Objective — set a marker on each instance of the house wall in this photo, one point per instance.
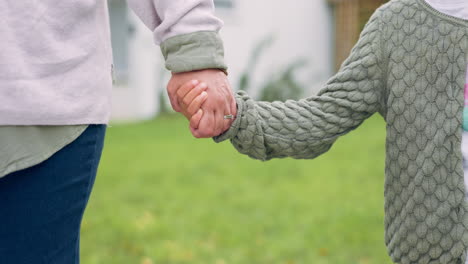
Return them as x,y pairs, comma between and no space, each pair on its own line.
138,67
301,30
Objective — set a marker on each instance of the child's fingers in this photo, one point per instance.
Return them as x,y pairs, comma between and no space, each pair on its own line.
196,104
192,94
186,87
195,120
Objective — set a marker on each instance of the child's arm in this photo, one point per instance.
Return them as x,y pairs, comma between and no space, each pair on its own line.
308,127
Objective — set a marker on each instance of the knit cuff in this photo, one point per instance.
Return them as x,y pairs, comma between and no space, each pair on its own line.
235,126
194,51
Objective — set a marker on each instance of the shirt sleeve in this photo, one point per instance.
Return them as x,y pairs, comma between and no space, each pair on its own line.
306,128
186,30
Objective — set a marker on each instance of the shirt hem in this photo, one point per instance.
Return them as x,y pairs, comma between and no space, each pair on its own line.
37,159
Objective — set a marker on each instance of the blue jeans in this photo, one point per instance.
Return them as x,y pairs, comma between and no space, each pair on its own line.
41,207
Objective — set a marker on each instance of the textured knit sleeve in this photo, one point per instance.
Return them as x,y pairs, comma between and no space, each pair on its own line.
187,31
307,128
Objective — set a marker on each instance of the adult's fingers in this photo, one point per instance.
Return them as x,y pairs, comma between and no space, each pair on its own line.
232,107
219,122
227,124
195,132
206,125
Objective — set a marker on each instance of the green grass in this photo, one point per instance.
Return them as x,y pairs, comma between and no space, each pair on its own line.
163,197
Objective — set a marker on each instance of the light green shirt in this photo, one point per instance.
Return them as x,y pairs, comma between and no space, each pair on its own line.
26,146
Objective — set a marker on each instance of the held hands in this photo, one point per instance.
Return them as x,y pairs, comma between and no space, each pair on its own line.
205,98
193,95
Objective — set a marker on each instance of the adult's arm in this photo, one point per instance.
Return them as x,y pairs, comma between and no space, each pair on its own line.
187,31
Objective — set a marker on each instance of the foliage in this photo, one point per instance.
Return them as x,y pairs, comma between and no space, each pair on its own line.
164,105
280,88
162,197
246,76
283,87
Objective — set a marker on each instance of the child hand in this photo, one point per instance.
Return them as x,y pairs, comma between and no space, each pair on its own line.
194,95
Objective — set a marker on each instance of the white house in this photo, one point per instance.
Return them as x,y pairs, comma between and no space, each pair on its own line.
298,30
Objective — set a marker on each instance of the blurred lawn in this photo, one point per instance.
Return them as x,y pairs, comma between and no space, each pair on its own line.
163,197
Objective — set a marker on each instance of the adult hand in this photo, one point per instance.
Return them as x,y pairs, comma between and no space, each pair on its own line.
219,102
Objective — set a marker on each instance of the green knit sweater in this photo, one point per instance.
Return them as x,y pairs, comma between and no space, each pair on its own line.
409,65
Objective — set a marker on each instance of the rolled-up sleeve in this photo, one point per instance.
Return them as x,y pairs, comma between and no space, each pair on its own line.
186,30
